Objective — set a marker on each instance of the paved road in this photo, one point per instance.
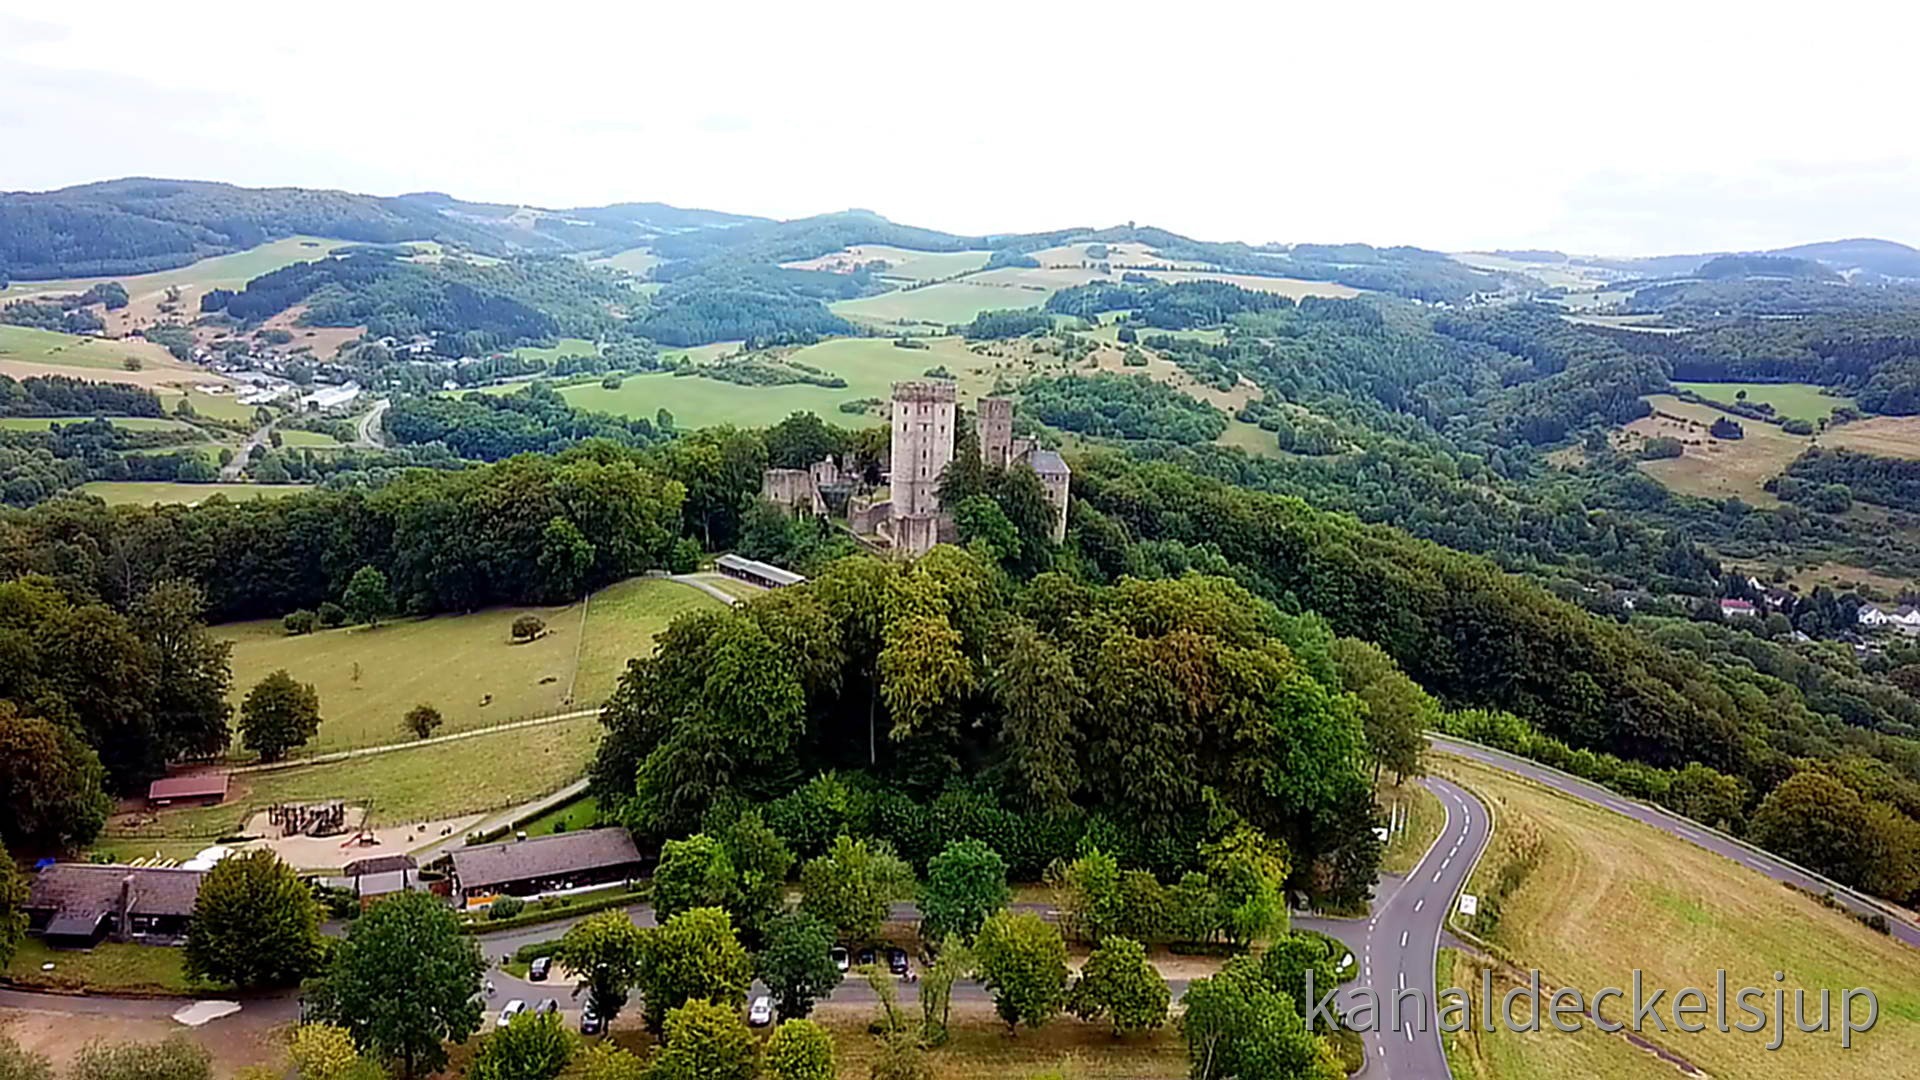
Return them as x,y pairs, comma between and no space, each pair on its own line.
1396,945
1902,928
243,457
370,434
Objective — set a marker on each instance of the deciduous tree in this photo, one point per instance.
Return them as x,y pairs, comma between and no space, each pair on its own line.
799,1050
604,951
1023,962
278,715
850,887
367,599
254,924
50,785
405,982
693,955
533,1046
797,963
1119,984
706,1040
965,883
423,720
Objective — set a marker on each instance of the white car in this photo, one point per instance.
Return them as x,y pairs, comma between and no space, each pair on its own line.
760,1013
840,959
514,1008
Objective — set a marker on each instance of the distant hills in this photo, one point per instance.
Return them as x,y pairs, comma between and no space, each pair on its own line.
138,225
1861,260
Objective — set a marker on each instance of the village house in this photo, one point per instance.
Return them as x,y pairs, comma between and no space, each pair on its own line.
75,905
563,862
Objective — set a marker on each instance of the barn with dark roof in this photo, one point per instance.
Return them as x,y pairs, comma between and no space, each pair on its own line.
77,904
546,864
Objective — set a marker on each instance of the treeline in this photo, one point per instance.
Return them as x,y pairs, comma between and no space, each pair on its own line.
1006,323
1883,481
1112,406
530,530
58,395
488,427
1038,717
1167,307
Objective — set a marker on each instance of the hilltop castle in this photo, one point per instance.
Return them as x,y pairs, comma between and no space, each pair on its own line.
908,518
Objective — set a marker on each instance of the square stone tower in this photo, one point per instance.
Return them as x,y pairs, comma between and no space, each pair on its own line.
922,448
995,428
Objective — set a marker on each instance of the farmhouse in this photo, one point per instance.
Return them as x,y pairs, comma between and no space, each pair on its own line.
198,789
1905,618
548,864
765,575
75,904
1742,609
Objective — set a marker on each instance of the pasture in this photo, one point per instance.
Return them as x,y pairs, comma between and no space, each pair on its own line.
903,264
425,783
467,666
295,439
149,492
1884,436
1609,895
1713,468
1292,288
946,304
636,261
1795,401
214,406
25,351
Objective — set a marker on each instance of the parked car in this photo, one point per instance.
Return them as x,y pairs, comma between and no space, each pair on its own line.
840,959
760,1013
540,969
865,957
897,961
547,1006
589,1020
514,1008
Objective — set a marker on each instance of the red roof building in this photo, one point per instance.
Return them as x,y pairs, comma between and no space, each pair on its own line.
203,789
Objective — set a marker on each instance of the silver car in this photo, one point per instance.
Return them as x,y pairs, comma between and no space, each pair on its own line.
760,1013
514,1008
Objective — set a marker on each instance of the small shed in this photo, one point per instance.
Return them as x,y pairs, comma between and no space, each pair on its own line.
194,789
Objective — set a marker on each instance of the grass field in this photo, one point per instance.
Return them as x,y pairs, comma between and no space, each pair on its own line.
946,304
368,679
979,1048
131,423
147,492
581,813
221,271
427,783
294,438
213,406
107,967
1294,288
1609,895
734,587
635,261
1550,1055
25,346
903,263
1712,468
1885,436
1803,401
564,347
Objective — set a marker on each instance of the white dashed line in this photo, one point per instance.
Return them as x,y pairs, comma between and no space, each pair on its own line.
1420,903
1446,862
1436,875
1403,980
1403,939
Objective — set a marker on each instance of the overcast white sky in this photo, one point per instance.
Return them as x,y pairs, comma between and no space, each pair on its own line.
1609,127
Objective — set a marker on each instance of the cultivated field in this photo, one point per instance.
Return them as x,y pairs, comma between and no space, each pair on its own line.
902,263
1609,895
467,666
147,492
1886,436
1293,288
1714,468
1801,401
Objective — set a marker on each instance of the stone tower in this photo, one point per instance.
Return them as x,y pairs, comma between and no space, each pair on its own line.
994,425
922,448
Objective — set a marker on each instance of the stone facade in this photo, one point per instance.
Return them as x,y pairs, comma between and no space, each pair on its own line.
923,414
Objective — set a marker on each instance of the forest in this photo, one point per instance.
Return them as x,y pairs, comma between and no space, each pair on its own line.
1106,405
488,427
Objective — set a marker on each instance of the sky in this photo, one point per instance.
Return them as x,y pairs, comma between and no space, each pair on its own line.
1599,128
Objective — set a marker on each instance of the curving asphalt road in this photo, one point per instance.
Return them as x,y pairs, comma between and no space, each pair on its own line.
1396,945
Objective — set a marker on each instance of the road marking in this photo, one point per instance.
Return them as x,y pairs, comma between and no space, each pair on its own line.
1403,980
1403,939
1436,875
1446,862
1369,971
1420,903
1452,851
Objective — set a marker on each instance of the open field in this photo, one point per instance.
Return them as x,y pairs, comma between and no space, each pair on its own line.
1608,895
294,438
1803,401
1885,436
947,304
215,406
427,783
903,263
563,347
467,666
1842,577
581,813
131,423
146,292
1551,1055
979,1048
108,966
25,351
147,492
324,342
635,261
1712,468
1294,288
1561,274
732,586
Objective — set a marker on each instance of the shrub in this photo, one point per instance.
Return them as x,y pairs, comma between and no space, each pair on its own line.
300,622
332,615
528,627
505,908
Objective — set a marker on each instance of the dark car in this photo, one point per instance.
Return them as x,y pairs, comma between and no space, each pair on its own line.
547,1006
589,1020
538,970
897,961
864,957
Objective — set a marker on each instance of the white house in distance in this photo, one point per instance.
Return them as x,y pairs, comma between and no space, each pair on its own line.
1740,609
1905,618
